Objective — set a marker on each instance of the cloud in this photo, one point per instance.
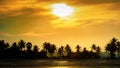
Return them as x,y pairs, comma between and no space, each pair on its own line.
22,14
64,23
30,34
27,15
90,2
6,34
81,2
114,6
27,34
20,7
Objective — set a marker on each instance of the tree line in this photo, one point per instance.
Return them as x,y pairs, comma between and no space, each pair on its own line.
26,50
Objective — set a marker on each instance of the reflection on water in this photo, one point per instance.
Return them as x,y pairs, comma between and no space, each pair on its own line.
63,62
60,67
60,63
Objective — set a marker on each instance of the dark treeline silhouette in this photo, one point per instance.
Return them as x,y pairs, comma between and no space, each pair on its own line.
26,50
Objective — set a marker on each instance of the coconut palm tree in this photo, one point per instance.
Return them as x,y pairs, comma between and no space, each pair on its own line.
46,46
118,48
78,48
98,50
3,45
35,49
49,48
61,51
14,46
68,51
52,49
29,46
93,48
21,44
112,47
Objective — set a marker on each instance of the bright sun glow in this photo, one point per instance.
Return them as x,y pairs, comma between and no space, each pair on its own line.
62,10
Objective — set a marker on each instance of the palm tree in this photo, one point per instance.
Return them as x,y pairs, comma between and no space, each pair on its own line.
98,50
78,48
7,45
60,51
14,46
35,49
49,48
21,44
108,47
93,48
68,50
84,49
112,47
118,48
52,49
46,46
29,46
62,48
3,45
85,53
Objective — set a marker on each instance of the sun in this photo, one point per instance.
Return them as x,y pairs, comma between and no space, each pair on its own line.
61,10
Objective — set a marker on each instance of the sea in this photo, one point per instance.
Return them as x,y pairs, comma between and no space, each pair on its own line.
54,63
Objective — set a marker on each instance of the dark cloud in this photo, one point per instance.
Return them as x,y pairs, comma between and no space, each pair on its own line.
86,2
115,6
26,11
2,1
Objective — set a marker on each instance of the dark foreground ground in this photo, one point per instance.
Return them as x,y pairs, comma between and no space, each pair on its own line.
90,63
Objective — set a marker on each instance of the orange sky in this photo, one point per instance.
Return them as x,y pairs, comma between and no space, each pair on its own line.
93,21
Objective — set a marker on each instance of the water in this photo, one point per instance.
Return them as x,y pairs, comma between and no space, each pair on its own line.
91,63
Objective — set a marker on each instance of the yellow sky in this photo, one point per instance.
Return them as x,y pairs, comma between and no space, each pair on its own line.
93,21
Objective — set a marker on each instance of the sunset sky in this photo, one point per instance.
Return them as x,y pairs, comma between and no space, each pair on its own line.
92,21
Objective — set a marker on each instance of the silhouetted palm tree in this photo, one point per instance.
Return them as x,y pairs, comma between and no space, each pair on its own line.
29,46
21,44
84,49
78,48
112,47
3,45
60,51
93,48
52,49
118,48
68,50
14,46
85,53
49,48
35,49
98,50
62,48
7,45
15,51
46,46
